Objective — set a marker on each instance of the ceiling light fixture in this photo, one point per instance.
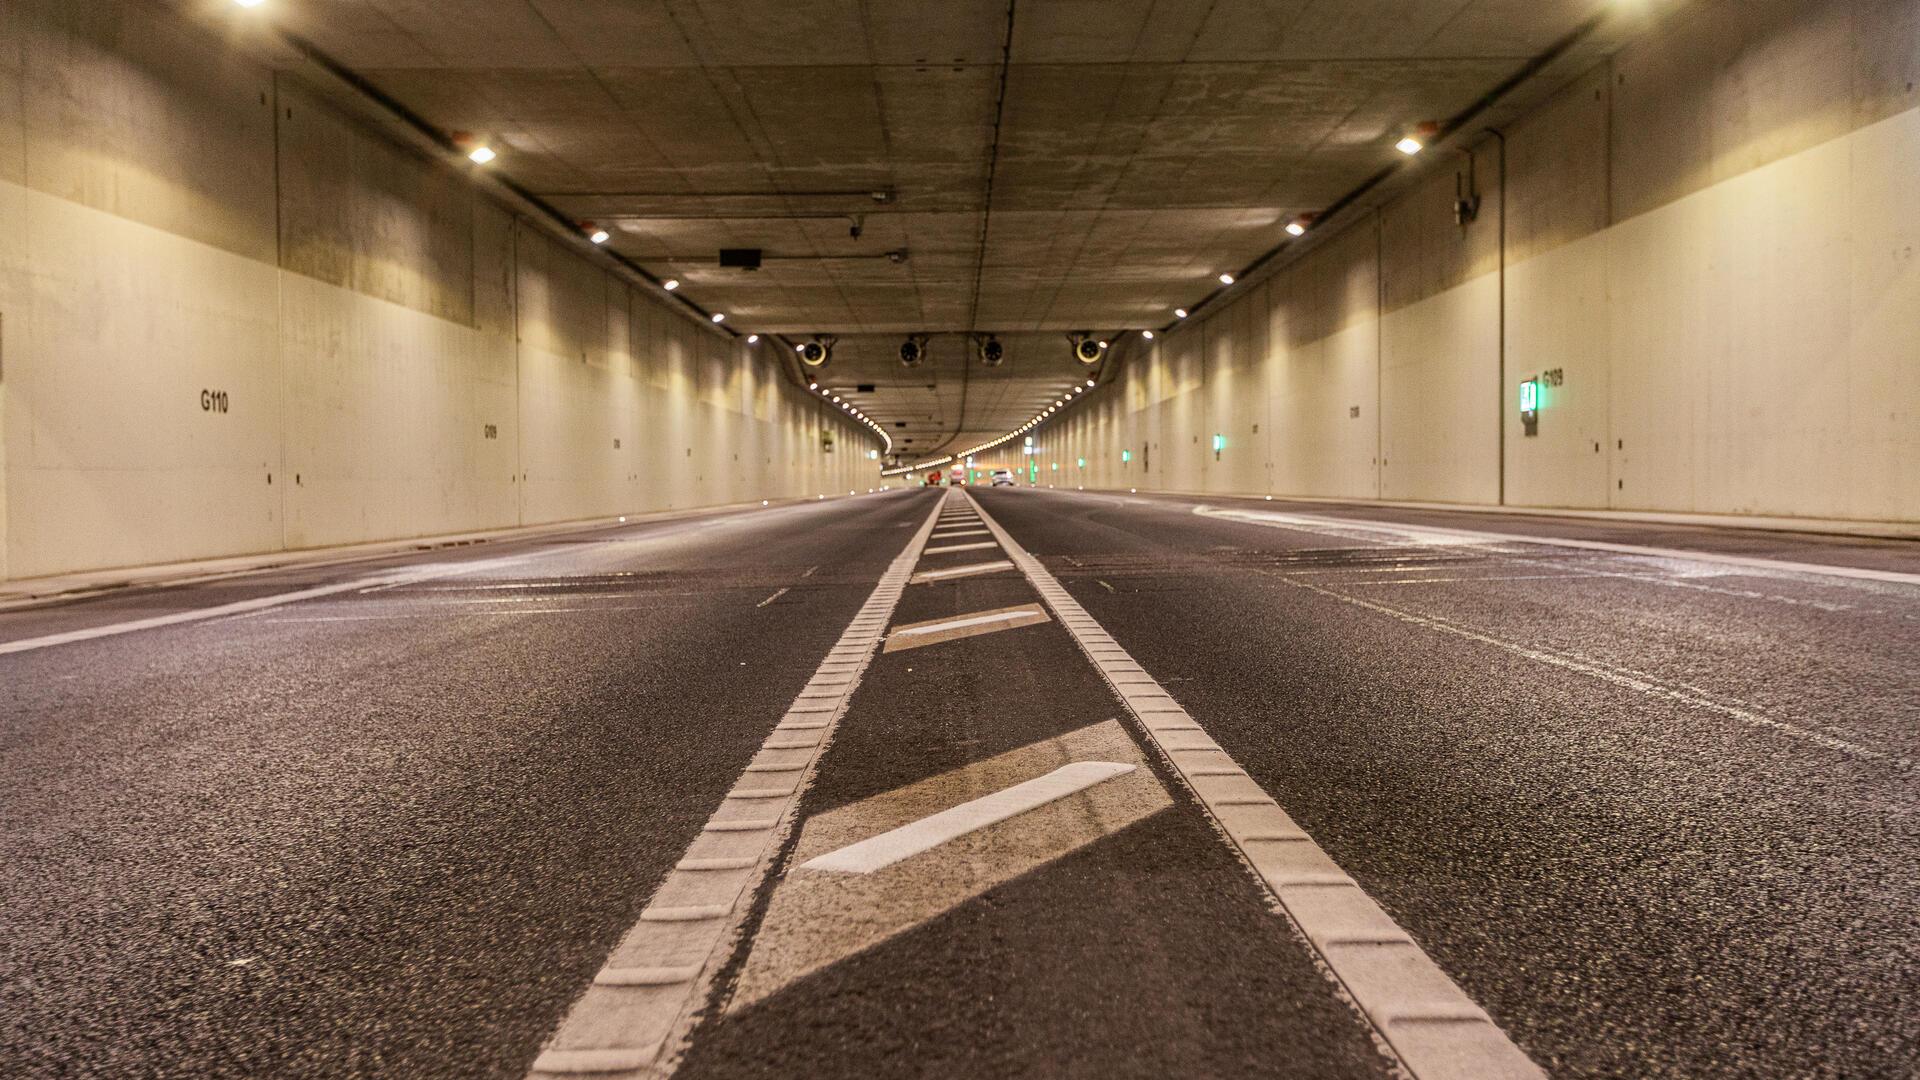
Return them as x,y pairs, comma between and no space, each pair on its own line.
1179,313
1226,279
482,154
719,316
1296,228
1148,334
670,284
1409,145
600,236
753,339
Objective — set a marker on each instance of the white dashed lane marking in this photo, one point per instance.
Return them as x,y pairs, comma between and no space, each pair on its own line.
818,917
879,852
969,570
1437,1031
981,546
915,635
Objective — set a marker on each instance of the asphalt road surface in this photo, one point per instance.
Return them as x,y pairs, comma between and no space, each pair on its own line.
995,783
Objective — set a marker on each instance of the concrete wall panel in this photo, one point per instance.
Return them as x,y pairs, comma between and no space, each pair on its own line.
422,362
397,423
115,457
1440,397
360,212
127,111
1710,241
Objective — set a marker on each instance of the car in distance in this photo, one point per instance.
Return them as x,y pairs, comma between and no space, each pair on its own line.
1002,478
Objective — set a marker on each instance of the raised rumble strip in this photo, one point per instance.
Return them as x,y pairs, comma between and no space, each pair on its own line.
1435,1029
640,1006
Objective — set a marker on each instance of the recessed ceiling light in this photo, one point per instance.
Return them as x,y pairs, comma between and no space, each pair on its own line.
719,316
1409,146
600,236
249,3
1089,382
1226,279
480,155
813,386
1180,312
1295,228
670,284
753,339
1148,334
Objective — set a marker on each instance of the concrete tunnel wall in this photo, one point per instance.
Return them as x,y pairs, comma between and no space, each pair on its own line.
400,355
1712,236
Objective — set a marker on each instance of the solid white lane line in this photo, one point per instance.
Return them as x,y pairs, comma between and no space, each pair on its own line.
624,1025
929,832
959,547
956,624
969,570
258,603
1437,1031
1316,523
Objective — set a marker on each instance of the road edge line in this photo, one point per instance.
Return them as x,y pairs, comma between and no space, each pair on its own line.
622,1027
1436,1030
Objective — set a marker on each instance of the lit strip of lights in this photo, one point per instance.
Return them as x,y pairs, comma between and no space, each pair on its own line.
1052,407
828,397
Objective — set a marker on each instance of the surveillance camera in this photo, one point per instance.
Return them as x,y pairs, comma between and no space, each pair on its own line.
817,352
1086,348
991,351
913,350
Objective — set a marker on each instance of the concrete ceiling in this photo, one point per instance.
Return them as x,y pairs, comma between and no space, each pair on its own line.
1141,148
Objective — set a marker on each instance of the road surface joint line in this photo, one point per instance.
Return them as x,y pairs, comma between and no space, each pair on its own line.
1313,522
1317,898
428,572
619,1026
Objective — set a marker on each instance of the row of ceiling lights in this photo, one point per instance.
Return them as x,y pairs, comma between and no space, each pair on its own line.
886,440
480,153
1409,145
990,350
1052,406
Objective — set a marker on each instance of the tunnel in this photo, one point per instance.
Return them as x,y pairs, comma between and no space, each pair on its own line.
1317,539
